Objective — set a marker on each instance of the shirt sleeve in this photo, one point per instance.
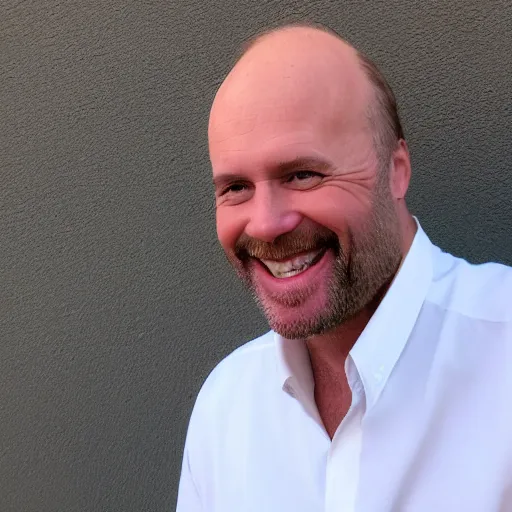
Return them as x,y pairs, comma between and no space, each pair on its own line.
194,492
189,499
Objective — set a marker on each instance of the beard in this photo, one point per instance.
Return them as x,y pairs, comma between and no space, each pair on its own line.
357,280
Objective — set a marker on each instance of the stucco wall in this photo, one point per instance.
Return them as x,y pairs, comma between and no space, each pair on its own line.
115,300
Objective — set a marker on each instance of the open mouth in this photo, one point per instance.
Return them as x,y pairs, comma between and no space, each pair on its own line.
295,265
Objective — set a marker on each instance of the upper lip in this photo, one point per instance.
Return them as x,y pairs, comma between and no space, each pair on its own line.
296,263
287,257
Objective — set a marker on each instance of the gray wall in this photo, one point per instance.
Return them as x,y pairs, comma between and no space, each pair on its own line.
115,299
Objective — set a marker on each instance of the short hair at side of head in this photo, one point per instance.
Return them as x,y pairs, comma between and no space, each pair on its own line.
383,114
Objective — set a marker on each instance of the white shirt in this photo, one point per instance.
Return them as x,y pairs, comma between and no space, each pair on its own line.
429,429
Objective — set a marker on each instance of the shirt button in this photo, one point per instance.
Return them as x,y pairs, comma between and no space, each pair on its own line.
289,390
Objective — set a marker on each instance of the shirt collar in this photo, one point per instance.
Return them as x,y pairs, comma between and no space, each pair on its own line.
380,345
295,373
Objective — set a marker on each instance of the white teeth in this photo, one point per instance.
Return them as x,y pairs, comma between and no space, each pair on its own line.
293,266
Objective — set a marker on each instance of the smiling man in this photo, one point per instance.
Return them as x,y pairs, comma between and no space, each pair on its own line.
385,383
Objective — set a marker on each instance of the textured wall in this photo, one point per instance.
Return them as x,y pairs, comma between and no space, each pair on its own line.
115,299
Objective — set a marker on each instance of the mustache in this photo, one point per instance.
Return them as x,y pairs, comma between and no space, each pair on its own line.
286,245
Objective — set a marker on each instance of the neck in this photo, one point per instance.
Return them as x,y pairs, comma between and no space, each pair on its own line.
328,354
329,350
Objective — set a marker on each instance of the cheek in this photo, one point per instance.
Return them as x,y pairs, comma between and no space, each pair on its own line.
229,227
338,210
325,207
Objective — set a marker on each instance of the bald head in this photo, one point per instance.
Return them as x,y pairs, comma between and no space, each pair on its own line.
298,173
302,62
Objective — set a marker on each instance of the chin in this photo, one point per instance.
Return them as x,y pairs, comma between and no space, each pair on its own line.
299,324
300,329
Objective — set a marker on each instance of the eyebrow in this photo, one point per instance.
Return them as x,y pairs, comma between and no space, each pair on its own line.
300,163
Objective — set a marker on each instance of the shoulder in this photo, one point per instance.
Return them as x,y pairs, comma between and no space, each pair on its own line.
220,407
238,373
244,358
482,291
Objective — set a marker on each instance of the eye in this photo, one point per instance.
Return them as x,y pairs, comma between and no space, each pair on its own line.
304,179
302,175
234,193
233,188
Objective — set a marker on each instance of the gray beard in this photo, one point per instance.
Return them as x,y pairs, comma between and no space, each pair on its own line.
357,281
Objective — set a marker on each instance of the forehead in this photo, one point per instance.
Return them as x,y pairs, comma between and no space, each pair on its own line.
285,102
264,132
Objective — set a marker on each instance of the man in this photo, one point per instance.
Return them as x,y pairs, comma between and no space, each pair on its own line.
386,381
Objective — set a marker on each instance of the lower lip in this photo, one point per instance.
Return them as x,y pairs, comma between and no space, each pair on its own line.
297,281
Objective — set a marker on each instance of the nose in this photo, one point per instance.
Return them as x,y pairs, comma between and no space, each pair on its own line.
270,215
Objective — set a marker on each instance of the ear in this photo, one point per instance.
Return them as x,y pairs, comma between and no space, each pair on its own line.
400,174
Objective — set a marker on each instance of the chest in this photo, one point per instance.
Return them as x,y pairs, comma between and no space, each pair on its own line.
410,458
